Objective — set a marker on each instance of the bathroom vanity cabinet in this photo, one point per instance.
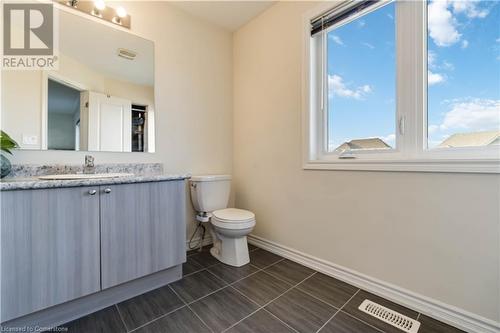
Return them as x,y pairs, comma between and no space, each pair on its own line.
50,248
61,244
140,230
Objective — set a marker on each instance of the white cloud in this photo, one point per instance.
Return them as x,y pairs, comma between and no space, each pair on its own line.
390,16
361,23
434,78
434,64
337,39
389,139
431,58
340,88
442,24
448,65
465,44
366,89
498,40
368,45
473,115
469,8
466,115
432,129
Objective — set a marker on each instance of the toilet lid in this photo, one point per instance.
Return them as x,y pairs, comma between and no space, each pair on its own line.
233,215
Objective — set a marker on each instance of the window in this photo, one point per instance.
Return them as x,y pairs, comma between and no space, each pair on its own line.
361,67
463,89
403,86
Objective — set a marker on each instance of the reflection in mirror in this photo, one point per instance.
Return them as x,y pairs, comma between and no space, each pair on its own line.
63,116
101,98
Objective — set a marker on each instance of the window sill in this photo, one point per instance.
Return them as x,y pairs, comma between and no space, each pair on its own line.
452,166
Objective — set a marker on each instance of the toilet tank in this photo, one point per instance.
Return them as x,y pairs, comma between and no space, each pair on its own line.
211,192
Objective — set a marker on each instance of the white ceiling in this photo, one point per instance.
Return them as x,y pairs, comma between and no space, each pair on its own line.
96,46
230,15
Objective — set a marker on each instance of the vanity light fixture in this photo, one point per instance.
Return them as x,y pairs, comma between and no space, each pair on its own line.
72,3
120,14
98,8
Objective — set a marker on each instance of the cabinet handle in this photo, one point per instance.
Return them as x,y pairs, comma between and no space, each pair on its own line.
92,192
107,190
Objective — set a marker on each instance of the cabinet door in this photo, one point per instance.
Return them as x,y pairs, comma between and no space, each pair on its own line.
50,247
142,229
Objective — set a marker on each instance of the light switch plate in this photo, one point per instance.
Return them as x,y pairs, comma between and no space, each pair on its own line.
30,139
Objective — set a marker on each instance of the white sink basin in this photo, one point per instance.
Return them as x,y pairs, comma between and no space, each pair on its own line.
70,176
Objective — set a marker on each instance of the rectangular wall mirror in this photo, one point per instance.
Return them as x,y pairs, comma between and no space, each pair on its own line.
101,98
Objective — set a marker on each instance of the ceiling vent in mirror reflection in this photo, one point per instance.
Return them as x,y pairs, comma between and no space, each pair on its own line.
127,54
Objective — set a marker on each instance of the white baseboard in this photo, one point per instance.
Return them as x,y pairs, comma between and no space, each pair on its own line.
206,241
438,310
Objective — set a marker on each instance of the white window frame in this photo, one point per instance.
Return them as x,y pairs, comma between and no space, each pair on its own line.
410,153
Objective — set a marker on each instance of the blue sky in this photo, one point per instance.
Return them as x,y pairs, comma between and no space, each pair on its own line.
464,72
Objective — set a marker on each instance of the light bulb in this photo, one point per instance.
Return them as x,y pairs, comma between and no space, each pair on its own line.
121,12
72,3
99,4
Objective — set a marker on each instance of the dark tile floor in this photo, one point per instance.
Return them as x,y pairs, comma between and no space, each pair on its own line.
271,294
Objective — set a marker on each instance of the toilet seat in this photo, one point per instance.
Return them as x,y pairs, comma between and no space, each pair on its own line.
233,218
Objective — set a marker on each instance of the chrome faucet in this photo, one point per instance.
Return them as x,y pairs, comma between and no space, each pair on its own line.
89,164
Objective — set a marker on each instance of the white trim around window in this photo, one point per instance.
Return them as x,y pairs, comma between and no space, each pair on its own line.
410,153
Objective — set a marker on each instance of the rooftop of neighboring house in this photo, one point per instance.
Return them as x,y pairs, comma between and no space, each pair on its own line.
369,143
474,139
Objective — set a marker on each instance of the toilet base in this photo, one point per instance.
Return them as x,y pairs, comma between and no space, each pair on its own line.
231,251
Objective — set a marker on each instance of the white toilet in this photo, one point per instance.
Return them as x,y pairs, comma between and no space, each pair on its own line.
230,226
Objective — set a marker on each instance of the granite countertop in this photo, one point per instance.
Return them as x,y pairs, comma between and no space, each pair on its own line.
25,177
30,183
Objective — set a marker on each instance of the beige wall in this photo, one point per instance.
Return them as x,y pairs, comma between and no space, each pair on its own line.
22,96
432,233
193,89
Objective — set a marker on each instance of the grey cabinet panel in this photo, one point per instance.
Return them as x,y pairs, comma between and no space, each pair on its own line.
142,229
50,248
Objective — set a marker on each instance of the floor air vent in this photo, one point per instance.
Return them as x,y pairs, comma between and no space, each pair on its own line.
389,316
